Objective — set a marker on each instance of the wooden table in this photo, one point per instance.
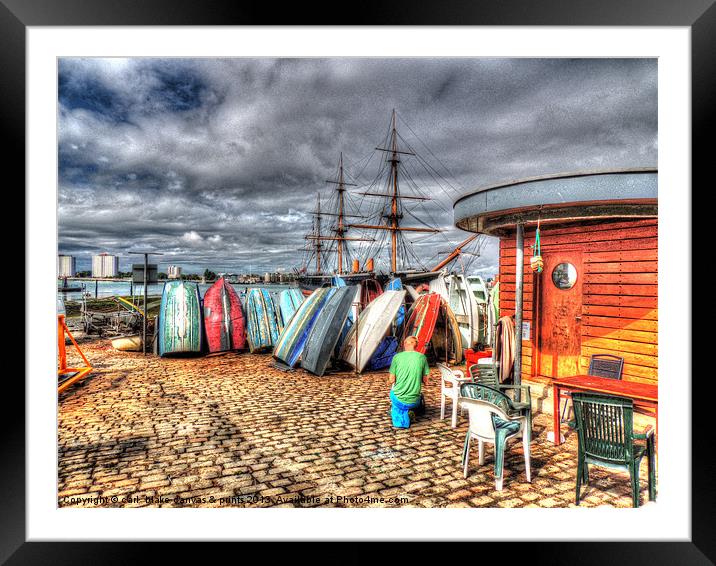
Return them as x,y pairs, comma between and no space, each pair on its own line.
643,394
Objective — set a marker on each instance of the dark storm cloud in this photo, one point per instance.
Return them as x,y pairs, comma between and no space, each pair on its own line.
217,162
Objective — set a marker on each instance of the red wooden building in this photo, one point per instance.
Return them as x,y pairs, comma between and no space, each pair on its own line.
598,290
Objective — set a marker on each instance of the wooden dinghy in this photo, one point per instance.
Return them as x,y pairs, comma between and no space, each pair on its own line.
327,330
292,340
466,310
446,340
263,321
439,285
433,323
370,290
288,301
180,327
422,319
223,318
373,323
131,343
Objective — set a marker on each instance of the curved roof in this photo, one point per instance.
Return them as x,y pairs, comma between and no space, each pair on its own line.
562,198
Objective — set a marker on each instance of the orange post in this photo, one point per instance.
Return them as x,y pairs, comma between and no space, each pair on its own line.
74,373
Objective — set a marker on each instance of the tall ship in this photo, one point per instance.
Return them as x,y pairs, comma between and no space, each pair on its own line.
362,233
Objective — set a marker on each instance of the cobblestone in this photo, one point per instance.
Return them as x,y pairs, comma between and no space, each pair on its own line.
234,427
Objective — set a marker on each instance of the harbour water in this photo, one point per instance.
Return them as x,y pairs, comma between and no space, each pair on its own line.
125,288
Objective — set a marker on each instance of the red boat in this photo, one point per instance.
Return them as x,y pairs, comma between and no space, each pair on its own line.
369,290
422,318
223,318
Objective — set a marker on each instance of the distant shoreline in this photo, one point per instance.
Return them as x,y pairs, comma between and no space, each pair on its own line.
129,279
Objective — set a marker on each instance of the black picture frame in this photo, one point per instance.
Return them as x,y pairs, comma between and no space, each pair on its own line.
699,15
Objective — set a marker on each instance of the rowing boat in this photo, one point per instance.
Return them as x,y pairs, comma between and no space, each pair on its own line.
292,340
373,324
223,318
327,330
263,323
180,328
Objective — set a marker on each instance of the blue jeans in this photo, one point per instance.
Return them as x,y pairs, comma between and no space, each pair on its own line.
399,411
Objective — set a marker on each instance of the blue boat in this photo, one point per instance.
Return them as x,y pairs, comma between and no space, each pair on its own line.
396,284
179,329
330,321
289,300
263,321
292,340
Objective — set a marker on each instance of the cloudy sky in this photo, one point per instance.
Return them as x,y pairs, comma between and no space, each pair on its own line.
216,162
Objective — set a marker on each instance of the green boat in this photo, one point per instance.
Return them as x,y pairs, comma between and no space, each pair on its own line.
180,321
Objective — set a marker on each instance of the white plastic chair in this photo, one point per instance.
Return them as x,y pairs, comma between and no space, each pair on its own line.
450,380
481,427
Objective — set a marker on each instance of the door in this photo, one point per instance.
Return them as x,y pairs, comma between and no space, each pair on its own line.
561,314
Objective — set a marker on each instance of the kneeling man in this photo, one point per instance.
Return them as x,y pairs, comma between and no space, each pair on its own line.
408,372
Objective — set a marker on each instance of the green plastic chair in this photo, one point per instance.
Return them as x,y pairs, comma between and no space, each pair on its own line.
488,375
493,420
606,438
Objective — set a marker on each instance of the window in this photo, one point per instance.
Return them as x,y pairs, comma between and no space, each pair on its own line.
564,276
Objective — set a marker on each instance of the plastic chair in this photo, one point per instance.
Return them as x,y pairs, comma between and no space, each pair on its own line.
493,420
489,375
450,381
606,438
600,365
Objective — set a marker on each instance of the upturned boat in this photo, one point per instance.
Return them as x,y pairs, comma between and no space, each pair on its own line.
223,318
373,324
180,320
263,321
289,300
327,330
292,340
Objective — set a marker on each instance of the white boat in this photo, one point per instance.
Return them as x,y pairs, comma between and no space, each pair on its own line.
128,343
479,288
466,310
373,323
439,285
482,296
412,292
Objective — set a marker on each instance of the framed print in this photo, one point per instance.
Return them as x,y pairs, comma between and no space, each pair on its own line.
280,264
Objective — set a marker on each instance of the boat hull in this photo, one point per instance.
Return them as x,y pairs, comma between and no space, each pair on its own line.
373,324
370,290
327,330
224,323
180,327
422,319
128,343
263,324
289,300
292,340
464,306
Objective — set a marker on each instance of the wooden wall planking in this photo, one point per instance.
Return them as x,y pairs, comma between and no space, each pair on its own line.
619,287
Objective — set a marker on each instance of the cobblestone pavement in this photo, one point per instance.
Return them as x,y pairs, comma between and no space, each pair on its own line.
233,428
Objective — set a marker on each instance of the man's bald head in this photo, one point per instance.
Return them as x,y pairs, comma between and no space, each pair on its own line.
410,343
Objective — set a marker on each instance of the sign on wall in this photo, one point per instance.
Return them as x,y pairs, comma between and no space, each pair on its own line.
526,327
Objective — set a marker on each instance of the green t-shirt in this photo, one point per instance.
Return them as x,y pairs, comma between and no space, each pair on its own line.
408,369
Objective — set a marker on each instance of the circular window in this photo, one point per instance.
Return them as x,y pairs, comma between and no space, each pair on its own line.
564,276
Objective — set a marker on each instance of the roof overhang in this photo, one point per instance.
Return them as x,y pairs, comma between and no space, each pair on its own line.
560,199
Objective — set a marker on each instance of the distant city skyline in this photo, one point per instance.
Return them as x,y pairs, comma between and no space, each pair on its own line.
216,162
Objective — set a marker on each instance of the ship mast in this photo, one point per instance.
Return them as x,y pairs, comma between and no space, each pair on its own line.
318,235
341,227
393,219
